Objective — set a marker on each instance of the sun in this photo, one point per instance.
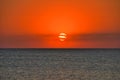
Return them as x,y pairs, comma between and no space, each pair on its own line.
62,36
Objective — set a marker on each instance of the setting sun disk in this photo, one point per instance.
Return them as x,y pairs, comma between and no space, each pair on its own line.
62,36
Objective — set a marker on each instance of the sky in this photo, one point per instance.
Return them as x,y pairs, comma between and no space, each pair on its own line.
38,23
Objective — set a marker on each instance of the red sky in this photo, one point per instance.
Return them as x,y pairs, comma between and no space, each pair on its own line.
37,23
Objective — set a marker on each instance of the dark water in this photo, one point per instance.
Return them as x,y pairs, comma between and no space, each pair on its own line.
59,64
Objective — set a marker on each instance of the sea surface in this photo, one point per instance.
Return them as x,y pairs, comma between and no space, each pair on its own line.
59,64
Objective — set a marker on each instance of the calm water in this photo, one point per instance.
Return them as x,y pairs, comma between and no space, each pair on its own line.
59,64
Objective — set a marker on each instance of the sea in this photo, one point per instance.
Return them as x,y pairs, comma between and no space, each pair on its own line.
59,64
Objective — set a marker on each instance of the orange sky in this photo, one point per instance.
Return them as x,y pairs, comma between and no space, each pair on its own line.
51,17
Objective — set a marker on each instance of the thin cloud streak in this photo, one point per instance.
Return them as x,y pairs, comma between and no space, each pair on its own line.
52,41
